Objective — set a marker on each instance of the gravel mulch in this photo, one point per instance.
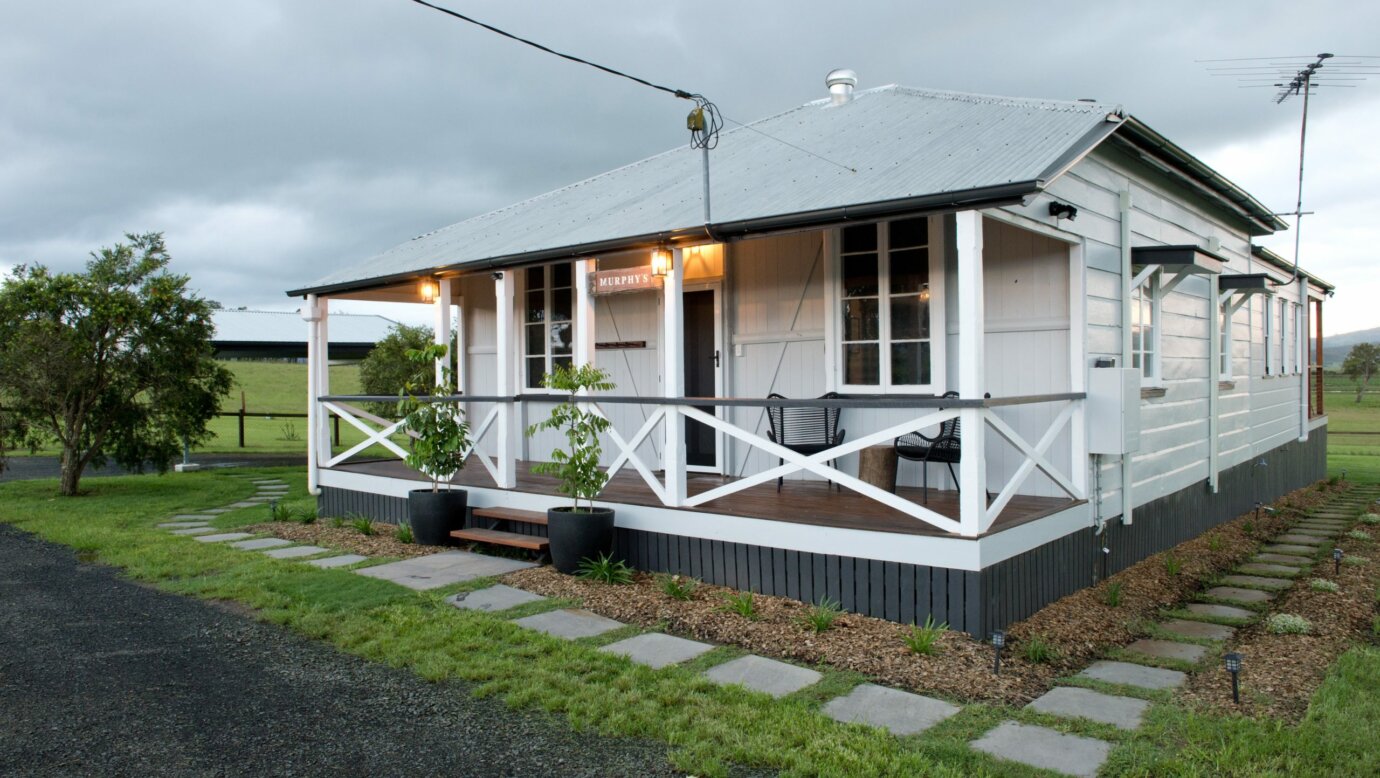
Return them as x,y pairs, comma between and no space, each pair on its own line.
382,543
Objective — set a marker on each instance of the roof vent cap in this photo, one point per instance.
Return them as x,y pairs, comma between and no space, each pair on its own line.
841,83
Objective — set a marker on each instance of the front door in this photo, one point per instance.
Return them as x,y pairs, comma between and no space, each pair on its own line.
703,358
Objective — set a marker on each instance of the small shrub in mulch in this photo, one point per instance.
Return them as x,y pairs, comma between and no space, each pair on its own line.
1288,624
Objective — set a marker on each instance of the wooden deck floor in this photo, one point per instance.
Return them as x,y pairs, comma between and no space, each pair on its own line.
799,502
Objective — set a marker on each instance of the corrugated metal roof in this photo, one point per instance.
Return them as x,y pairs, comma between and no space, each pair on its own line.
288,327
902,142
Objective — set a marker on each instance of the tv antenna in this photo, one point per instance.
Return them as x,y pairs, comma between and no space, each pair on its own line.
1295,76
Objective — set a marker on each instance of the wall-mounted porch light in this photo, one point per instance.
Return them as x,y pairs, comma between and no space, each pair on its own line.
1063,211
427,290
924,293
661,261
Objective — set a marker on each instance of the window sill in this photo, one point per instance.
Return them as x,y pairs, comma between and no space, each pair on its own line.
1151,392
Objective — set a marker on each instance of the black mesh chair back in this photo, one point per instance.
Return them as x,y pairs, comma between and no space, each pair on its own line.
946,447
804,430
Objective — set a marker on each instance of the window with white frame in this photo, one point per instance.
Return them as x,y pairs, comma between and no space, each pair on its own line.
884,306
1286,321
1268,328
1300,338
547,327
1225,373
1145,329
1279,337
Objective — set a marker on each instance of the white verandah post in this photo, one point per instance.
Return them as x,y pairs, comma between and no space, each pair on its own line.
318,383
673,380
441,324
505,448
972,473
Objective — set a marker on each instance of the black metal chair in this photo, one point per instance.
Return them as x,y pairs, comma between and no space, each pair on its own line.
946,447
804,430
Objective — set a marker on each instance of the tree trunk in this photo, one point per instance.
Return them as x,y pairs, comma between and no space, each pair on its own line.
72,465
1361,386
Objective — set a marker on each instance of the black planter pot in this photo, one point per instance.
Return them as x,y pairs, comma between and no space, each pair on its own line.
576,536
434,515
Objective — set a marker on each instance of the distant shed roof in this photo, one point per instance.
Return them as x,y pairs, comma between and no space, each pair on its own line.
888,150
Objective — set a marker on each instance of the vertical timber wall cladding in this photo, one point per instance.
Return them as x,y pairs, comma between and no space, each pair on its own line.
969,601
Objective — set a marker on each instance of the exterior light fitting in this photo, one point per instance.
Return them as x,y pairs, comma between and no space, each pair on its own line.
924,293
1336,561
661,261
427,290
1233,666
998,640
1063,211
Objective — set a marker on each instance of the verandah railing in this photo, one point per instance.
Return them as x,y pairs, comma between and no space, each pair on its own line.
976,416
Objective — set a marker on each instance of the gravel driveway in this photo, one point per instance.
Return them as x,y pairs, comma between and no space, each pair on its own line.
101,676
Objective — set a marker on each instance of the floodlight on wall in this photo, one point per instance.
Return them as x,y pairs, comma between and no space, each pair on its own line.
1063,211
661,261
427,290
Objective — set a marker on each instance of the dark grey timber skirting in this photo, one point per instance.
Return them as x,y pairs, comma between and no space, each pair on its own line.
974,602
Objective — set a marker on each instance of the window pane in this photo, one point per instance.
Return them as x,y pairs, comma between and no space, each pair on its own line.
860,275
910,271
862,237
909,232
558,362
560,305
860,364
535,368
536,306
536,277
860,319
536,340
561,274
910,318
560,338
910,364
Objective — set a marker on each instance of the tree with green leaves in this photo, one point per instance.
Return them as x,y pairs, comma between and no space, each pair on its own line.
577,466
388,369
441,436
111,364
1362,364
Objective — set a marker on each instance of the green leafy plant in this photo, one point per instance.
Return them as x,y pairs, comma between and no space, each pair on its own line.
1355,561
1215,542
1172,564
577,465
338,521
1248,527
1038,650
822,616
1288,624
741,604
605,569
1358,534
307,515
676,587
279,511
403,533
1323,585
1370,518
923,639
363,525
289,432
1113,594
441,435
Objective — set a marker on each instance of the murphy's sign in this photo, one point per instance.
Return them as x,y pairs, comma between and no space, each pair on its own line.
632,279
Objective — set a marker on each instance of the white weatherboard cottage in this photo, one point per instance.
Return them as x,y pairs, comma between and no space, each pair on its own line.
1129,370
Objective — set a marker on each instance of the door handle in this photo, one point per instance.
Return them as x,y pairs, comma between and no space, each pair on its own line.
716,357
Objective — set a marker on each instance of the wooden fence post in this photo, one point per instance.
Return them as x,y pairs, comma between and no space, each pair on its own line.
241,419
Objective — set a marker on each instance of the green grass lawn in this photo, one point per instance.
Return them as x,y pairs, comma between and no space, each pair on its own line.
1347,448
281,386
709,727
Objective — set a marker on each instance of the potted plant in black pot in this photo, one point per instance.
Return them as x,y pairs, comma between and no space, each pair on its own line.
441,439
582,530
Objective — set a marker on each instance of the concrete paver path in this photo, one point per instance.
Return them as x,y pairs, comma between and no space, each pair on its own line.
1045,748
657,650
898,712
764,675
1071,703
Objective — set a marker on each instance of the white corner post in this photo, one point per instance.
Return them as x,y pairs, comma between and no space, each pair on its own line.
313,314
1215,313
972,467
583,347
673,379
1078,368
441,323
1301,356
505,357
1127,279
460,359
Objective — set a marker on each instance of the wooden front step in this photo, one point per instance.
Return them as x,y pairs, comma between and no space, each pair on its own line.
510,514
500,538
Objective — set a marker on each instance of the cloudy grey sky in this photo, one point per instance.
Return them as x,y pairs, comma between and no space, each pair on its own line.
272,141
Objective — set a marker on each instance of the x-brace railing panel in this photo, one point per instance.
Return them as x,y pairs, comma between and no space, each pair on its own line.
476,435
627,449
371,435
814,463
1034,458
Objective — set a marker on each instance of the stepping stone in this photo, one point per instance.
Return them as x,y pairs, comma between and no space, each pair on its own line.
243,504
1323,522
434,570
763,675
494,598
1258,581
1168,649
1045,748
657,650
1129,674
258,544
215,511
570,623
203,530
898,712
1218,611
224,536
1300,540
1317,533
1283,559
181,524
337,561
1239,595
1073,703
193,517
1285,548
1198,629
1263,568
295,552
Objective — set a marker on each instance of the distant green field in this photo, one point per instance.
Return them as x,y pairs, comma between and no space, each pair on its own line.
1353,429
281,386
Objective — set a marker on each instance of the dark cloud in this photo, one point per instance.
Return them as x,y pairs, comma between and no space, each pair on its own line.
275,140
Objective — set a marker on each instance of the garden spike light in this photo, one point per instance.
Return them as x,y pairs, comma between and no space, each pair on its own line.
1233,664
998,640
1336,561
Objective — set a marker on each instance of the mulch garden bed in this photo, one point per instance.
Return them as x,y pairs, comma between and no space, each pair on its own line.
382,543
1078,627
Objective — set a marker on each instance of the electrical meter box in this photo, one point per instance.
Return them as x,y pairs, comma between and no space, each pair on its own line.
1113,410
